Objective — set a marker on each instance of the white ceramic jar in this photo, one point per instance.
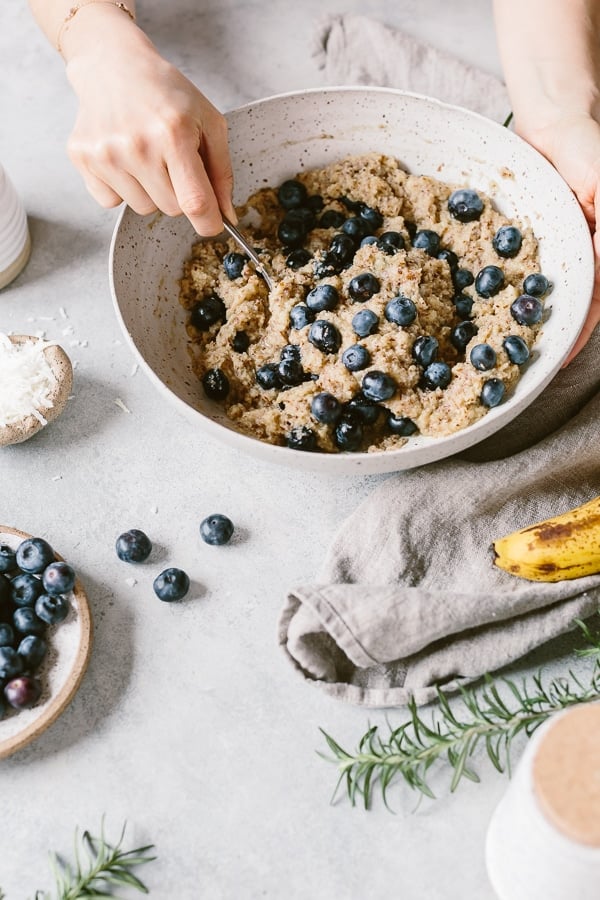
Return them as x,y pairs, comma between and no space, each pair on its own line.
543,841
15,243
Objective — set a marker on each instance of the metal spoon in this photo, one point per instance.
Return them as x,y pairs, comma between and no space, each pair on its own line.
249,251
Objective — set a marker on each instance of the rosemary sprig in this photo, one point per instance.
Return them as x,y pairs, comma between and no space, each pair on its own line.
491,716
105,868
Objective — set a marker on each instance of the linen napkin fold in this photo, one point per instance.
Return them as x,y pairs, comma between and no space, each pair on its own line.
408,597
352,49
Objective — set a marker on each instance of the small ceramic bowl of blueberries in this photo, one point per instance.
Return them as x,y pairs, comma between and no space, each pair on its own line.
475,155
45,637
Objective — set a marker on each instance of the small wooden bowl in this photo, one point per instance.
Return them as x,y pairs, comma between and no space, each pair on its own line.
60,364
69,647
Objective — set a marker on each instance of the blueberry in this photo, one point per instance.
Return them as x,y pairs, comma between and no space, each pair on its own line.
34,554
401,425
354,206
302,438
465,205
323,296
427,240
11,664
367,410
327,265
7,635
215,384
290,371
325,408
315,203
372,217
378,386
26,621
298,258
23,692
507,241
58,578
234,263
290,351
172,584
489,281
302,216
325,336
301,316
516,349
5,591
424,350
332,218
133,546
492,392
390,242
411,228
7,558
356,228
461,334
464,305
401,310
216,530
267,377
462,278
342,249
356,358
369,239
483,357
363,286
25,589
450,257
240,342
292,194
52,609
291,232
536,285
207,312
349,432
365,322
32,650
437,375
526,310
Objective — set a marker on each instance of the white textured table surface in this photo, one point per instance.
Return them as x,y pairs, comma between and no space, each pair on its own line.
189,722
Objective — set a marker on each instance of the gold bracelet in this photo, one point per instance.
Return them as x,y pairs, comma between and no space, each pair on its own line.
75,9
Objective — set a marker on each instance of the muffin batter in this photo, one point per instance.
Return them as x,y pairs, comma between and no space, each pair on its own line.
373,234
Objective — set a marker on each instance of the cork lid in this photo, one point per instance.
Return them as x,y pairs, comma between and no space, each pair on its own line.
566,774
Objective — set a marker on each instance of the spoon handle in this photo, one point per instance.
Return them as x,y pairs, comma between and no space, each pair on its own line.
243,243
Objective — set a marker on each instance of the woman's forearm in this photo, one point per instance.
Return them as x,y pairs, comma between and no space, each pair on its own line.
548,50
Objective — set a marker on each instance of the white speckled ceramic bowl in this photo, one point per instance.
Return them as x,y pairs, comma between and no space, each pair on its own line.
273,139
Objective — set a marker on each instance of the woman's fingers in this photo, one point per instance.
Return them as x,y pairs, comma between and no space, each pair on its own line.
593,317
194,191
214,150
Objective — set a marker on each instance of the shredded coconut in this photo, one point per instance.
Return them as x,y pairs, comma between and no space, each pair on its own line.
121,405
26,379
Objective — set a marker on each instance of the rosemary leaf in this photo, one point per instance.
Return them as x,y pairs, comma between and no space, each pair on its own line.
491,716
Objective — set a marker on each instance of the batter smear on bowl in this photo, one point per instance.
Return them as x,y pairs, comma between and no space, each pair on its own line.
400,309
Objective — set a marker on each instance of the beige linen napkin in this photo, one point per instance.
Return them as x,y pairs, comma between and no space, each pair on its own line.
408,597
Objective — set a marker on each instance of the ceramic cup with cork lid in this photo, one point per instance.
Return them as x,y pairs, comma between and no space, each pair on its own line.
15,243
543,841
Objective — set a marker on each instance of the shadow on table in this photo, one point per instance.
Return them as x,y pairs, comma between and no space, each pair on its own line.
55,245
104,684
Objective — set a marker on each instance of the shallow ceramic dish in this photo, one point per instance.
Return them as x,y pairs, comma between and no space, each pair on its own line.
69,647
273,139
62,369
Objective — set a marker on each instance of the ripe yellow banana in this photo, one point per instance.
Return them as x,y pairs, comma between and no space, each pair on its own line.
557,549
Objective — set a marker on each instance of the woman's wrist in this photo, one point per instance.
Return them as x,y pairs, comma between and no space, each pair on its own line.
96,28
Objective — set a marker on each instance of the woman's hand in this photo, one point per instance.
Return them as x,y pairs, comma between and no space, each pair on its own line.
572,144
144,133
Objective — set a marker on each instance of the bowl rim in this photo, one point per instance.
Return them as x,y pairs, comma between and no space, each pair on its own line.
464,438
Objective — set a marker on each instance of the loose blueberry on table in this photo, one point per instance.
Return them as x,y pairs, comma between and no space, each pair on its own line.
133,546
171,585
216,529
